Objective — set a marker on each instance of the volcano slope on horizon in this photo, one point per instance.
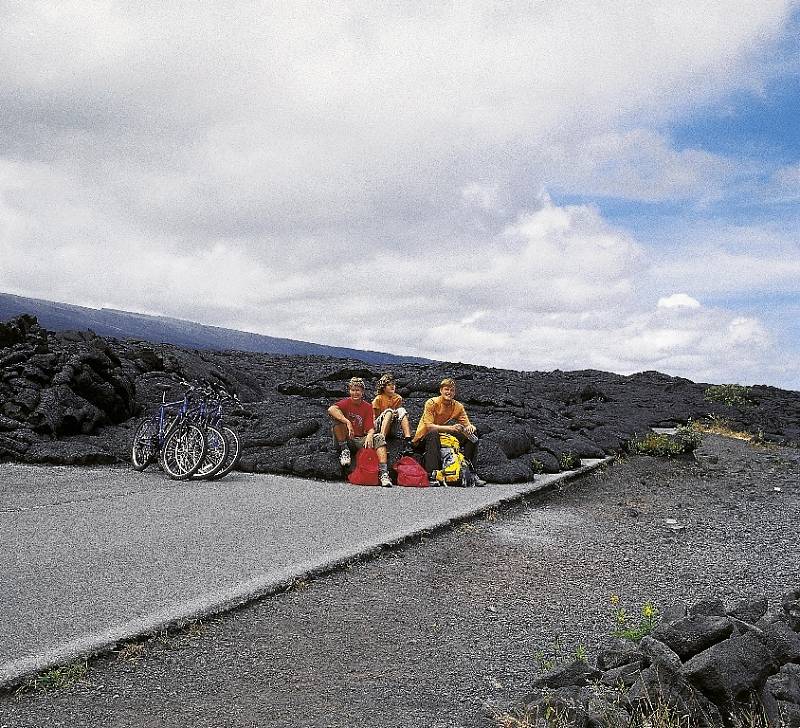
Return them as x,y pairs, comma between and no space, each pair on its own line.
187,334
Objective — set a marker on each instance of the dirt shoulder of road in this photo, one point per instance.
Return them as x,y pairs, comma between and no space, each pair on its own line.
431,633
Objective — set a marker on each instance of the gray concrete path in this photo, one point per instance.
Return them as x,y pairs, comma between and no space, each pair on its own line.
93,556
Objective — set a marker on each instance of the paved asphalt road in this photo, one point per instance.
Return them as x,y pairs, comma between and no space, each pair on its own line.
92,556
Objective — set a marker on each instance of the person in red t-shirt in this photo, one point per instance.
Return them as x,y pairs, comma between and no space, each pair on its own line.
354,428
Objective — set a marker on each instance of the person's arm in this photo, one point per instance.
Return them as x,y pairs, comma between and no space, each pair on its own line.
340,417
463,421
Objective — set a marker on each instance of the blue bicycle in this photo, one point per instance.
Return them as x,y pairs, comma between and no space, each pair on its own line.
204,414
170,437
218,400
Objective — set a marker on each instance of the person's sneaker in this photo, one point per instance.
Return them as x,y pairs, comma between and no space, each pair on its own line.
386,481
477,482
344,458
433,481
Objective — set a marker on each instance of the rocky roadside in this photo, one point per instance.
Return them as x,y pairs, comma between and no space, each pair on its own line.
432,633
75,398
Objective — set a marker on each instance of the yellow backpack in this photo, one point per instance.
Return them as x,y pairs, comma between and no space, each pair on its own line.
454,470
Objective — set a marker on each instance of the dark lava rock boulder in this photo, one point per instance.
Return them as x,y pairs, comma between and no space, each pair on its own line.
495,466
615,652
780,697
708,608
659,654
782,642
576,673
61,412
729,671
693,634
749,610
790,603
64,384
315,464
17,330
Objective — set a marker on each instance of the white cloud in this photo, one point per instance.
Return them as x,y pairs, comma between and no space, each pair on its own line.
678,300
747,331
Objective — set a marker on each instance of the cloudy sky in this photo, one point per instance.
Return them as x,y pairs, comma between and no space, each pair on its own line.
606,184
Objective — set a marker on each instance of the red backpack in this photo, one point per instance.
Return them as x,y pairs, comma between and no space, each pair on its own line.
410,473
366,469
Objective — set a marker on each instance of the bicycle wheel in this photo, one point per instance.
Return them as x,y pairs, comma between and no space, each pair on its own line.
216,452
234,451
145,444
183,451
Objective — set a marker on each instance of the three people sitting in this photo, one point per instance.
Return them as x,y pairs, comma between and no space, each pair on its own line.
355,424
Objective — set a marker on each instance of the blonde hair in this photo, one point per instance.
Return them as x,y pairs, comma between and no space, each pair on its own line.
447,382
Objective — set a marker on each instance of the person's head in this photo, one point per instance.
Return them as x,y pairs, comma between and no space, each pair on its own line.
356,388
386,384
447,388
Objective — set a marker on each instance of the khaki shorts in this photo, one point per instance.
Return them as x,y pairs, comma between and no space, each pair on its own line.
398,415
378,440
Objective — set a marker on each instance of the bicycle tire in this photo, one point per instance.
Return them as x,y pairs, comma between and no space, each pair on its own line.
216,452
144,449
183,451
234,452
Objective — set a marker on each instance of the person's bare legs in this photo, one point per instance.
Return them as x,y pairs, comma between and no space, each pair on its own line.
340,432
386,424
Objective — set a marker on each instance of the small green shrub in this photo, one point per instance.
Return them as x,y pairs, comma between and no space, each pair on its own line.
733,395
569,461
624,625
537,466
689,436
683,442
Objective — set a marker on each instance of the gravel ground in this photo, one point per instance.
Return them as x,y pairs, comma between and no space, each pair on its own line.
431,633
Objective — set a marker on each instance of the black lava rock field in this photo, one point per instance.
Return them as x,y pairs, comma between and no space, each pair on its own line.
75,398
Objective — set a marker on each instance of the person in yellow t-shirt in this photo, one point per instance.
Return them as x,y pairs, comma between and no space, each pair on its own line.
388,409
444,414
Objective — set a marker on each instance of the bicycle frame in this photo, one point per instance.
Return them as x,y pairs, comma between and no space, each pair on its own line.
165,427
